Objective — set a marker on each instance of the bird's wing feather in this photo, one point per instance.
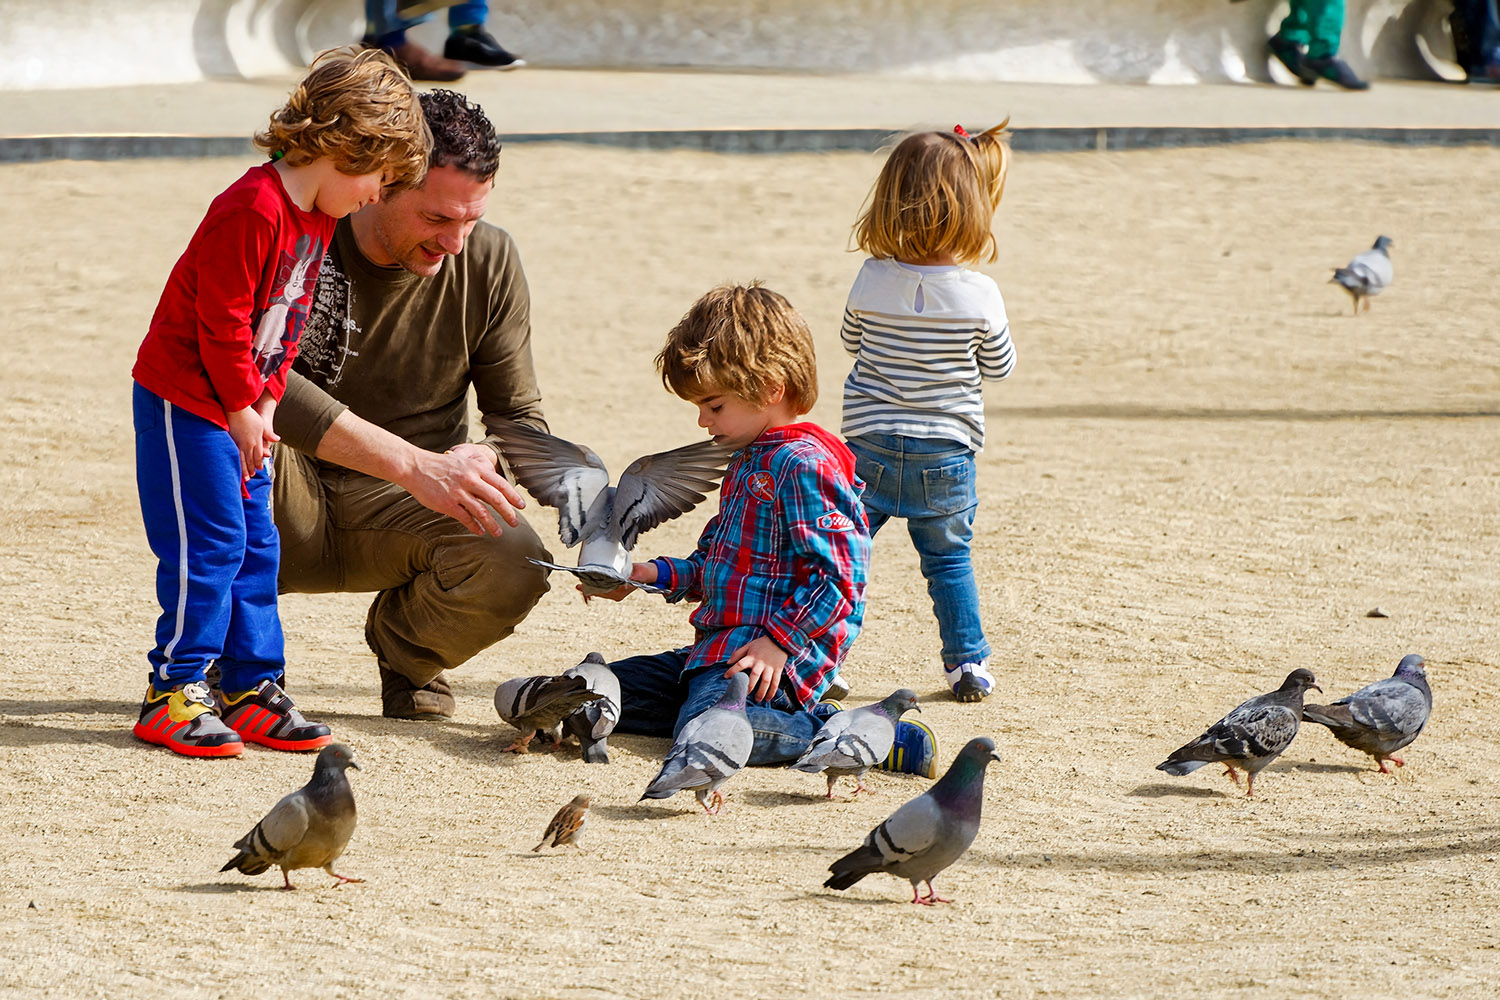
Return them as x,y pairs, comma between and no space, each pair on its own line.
908,831
1387,708
657,488
1251,730
558,473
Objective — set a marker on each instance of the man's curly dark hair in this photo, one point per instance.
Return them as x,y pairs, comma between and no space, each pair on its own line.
461,134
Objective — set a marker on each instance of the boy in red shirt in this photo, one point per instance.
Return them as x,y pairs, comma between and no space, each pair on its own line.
207,380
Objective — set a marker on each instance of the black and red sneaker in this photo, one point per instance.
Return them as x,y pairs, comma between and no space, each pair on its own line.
183,721
267,716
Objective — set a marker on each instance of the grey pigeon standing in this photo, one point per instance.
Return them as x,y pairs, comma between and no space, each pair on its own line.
539,705
927,834
1251,736
593,721
709,750
853,742
308,828
607,519
1367,274
1383,717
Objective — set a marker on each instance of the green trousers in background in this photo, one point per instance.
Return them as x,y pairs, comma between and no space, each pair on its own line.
1317,24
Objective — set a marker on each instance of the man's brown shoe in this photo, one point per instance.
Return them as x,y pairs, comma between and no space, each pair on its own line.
421,64
401,699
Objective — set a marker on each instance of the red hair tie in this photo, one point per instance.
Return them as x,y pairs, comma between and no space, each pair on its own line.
959,130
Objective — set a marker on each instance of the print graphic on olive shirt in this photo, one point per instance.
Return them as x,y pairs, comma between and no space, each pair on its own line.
279,327
330,327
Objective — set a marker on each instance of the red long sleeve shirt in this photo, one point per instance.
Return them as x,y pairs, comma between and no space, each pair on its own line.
236,302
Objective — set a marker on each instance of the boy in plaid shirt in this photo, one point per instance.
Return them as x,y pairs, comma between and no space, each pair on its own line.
780,570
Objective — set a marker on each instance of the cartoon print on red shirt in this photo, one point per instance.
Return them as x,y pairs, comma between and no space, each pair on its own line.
278,329
761,485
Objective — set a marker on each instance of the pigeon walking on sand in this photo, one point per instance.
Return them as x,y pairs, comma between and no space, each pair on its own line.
608,519
593,721
928,833
1383,717
850,743
539,705
567,825
308,828
1251,736
1367,274
709,750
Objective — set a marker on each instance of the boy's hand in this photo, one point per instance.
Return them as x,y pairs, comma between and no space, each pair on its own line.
266,407
249,433
639,572
764,659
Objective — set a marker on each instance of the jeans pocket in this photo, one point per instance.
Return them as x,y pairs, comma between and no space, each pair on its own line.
949,488
870,471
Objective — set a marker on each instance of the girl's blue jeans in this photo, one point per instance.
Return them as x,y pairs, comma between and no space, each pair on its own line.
930,483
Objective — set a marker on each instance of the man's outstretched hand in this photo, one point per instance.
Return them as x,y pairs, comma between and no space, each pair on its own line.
464,484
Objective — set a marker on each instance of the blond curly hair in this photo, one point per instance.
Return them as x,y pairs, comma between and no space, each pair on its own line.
745,340
357,107
937,195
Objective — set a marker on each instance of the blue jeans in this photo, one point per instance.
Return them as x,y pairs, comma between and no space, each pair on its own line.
930,482
388,28
657,700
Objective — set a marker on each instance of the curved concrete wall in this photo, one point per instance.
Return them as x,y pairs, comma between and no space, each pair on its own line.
78,43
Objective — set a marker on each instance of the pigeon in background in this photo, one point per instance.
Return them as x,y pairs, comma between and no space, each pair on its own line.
567,825
927,834
607,519
710,750
1383,717
853,742
1367,274
539,705
308,828
593,721
1251,736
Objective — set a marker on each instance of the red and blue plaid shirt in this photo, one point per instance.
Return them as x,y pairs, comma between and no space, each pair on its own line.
786,556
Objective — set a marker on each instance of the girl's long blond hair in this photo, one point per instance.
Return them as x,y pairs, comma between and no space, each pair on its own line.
937,195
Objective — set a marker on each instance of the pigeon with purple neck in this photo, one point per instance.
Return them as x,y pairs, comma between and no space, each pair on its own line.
927,834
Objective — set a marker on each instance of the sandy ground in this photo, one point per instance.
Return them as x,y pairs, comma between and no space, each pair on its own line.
1202,475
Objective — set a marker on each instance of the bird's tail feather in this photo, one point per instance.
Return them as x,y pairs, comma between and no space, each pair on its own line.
1180,767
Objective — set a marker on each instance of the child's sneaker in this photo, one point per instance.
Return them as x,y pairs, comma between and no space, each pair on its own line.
970,681
914,752
267,716
837,690
183,721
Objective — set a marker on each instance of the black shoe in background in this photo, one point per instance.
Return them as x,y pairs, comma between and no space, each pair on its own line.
479,50
1290,55
1335,69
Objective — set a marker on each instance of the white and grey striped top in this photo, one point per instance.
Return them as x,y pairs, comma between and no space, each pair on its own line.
922,339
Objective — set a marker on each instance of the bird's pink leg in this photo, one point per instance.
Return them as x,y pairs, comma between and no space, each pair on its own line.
916,897
831,782
1249,785
718,801
286,877
519,746
860,786
1234,775
1382,761
342,878
933,897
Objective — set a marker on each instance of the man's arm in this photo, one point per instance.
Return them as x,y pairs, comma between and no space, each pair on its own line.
461,483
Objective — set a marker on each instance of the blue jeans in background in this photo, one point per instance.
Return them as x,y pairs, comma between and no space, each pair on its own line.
387,28
930,482
657,700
